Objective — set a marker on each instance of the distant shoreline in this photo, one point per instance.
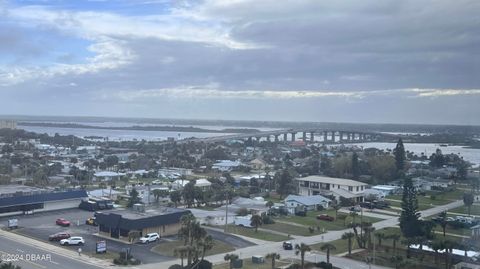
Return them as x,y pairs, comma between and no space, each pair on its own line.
189,129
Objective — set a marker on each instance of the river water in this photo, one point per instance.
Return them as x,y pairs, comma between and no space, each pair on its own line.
468,154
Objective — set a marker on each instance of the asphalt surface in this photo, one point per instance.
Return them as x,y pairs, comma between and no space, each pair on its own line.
29,257
229,239
41,225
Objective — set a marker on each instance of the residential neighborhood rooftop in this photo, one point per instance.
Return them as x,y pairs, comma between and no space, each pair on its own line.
332,180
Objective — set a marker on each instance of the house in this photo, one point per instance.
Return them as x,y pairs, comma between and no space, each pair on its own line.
428,184
119,223
109,193
203,183
258,164
373,194
107,176
213,217
256,206
386,189
226,165
308,203
330,186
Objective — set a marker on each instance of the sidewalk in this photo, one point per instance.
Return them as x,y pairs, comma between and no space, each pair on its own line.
55,249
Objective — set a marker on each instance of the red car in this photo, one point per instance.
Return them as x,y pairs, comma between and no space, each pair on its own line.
62,222
58,236
325,217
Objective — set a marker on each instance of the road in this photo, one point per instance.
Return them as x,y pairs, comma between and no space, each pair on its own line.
248,252
38,258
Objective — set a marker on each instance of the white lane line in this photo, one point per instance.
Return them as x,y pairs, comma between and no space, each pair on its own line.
54,262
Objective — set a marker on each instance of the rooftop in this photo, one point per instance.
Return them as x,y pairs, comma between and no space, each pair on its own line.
149,212
12,189
332,180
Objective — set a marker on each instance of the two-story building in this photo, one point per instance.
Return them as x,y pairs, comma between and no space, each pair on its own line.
330,186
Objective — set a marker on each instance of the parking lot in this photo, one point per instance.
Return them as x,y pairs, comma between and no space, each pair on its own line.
41,225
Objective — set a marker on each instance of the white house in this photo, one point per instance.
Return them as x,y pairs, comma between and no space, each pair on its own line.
308,203
107,175
215,217
386,189
338,187
226,165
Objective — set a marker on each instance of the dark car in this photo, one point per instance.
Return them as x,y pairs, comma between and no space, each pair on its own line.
301,213
287,245
58,236
62,222
325,217
381,204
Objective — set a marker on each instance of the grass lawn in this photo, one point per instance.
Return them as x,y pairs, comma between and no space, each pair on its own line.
340,244
291,229
474,210
311,221
250,232
421,206
247,264
167,248
440,198
109,255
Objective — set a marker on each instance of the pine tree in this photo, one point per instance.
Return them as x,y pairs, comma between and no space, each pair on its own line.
399,153
410,224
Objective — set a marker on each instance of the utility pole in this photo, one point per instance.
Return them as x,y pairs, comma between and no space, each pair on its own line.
226,212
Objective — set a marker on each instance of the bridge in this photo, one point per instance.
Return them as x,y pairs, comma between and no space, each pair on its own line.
306,135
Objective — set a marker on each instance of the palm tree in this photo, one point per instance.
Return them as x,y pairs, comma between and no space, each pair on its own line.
394,238
256,221
348,236
301,249
379,237
273,256
328,247
231,258
181,252
443,221
206,244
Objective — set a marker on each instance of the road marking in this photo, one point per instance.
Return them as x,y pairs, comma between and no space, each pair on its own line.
54,262
19,250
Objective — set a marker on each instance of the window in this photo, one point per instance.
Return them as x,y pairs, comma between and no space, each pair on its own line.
350,188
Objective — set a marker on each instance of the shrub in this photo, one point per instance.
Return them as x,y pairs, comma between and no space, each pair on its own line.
204,264
266,219
175,266
324,265
433,197
311,230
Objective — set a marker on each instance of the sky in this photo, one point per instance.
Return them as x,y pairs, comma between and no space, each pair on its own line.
389,61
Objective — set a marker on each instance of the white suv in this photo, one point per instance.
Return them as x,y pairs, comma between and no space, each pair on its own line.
75,240
151,237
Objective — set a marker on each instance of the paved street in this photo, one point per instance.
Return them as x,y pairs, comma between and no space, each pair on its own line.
329,236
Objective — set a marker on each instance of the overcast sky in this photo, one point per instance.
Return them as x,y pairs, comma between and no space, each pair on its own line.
410,61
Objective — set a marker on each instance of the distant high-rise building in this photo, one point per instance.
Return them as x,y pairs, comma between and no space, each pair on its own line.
8,124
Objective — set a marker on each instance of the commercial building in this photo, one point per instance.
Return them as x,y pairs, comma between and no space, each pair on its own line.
19,199
330,186
119,223
8,124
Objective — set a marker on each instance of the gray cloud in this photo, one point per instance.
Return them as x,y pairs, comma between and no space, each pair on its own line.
312,60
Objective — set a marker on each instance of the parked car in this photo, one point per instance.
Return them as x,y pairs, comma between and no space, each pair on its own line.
91,221
151,237
58,236
301,213
367,205
381,204
74,240
355,209
325,217
287,245
62,222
